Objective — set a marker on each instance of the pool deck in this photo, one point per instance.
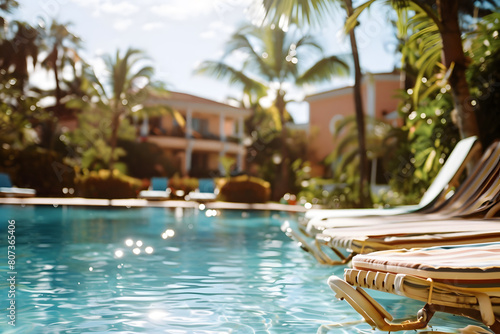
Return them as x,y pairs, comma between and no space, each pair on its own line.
134,202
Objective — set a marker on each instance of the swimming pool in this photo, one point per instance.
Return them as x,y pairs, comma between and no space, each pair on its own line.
156,270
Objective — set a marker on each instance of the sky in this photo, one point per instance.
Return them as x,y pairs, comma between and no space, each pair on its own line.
179,34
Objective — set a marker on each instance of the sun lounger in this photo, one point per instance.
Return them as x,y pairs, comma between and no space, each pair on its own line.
206,191
8,190
409,235
448,175
439,192
338,246
389,233
462,280
158,189
478,193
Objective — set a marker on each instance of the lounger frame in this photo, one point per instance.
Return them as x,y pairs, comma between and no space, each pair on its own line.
439,297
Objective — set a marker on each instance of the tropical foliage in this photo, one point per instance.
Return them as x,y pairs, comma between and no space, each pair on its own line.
62,49
484,76
275,61
445,20
244,189
313,13
428,107
382,140
107,184
104,105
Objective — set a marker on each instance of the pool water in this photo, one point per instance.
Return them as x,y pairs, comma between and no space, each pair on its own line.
155,270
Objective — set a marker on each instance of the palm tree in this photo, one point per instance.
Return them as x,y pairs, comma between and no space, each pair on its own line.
19,46
63,50
314,11
274,59
445,16
123,90
6,6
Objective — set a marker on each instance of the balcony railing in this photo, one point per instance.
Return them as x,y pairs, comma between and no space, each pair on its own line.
202,144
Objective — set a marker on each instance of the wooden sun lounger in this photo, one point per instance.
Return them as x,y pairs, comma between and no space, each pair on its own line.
469,199
448,176
478,194
461,280
474,199
435,199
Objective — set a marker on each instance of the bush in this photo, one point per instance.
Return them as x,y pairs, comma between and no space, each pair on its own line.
145,160
244,189
104,184
38,168
181,186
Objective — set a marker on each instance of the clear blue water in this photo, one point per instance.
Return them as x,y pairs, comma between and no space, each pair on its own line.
154,270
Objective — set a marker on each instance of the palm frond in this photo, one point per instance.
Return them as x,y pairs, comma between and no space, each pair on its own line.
309,41
301,12
220,70
255,61
352,20
324,70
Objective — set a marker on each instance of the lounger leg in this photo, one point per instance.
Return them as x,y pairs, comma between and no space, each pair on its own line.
328,259
494,325
315,248
373,312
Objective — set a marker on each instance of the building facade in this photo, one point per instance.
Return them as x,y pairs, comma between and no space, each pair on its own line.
379,94
211,132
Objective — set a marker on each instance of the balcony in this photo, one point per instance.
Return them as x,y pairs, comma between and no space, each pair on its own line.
197,144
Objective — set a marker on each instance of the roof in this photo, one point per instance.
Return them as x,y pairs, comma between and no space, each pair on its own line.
186,101
389,76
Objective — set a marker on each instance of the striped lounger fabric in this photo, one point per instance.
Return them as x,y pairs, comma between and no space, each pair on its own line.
460,279
362,240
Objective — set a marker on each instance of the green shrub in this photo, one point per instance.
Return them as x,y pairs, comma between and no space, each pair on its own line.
181,186
244,189
38,168
106,184
145,160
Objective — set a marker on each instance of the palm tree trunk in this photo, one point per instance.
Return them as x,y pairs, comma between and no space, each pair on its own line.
113,140
58,94
453,55
281,181
364,187
58,106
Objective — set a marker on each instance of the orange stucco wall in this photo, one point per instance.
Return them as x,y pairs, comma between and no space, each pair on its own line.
321,113
387,101
325,106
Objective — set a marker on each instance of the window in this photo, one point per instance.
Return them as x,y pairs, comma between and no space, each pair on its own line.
200,125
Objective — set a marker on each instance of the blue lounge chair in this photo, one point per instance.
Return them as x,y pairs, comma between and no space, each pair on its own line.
158,190
8,190
206,191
